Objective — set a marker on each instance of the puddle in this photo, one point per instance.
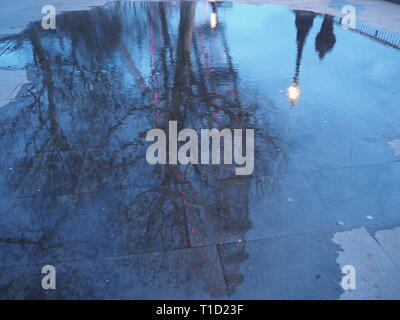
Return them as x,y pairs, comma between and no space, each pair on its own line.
74,139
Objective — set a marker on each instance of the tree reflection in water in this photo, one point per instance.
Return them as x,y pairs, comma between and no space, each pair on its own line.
75,140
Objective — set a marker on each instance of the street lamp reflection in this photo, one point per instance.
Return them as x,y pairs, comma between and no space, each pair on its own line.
213,20
293,93
213,16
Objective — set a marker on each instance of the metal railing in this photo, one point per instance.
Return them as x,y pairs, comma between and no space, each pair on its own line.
387,37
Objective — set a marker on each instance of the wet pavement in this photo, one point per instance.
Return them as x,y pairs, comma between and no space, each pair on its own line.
77,192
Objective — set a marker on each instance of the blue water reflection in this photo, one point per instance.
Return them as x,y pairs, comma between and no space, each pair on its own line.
74,181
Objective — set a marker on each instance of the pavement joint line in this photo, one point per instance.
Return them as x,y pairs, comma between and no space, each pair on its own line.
110,257
373,235
104,257
234,179
324,205
348,167
218,248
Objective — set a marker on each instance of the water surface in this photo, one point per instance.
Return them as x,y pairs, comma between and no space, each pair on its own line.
76,189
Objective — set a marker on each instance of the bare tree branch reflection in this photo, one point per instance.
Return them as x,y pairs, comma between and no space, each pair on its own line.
77,147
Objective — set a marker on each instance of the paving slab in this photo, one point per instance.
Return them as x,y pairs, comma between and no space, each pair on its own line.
389,241
377,277
248,209
90,225
178,274
293,267
353,195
